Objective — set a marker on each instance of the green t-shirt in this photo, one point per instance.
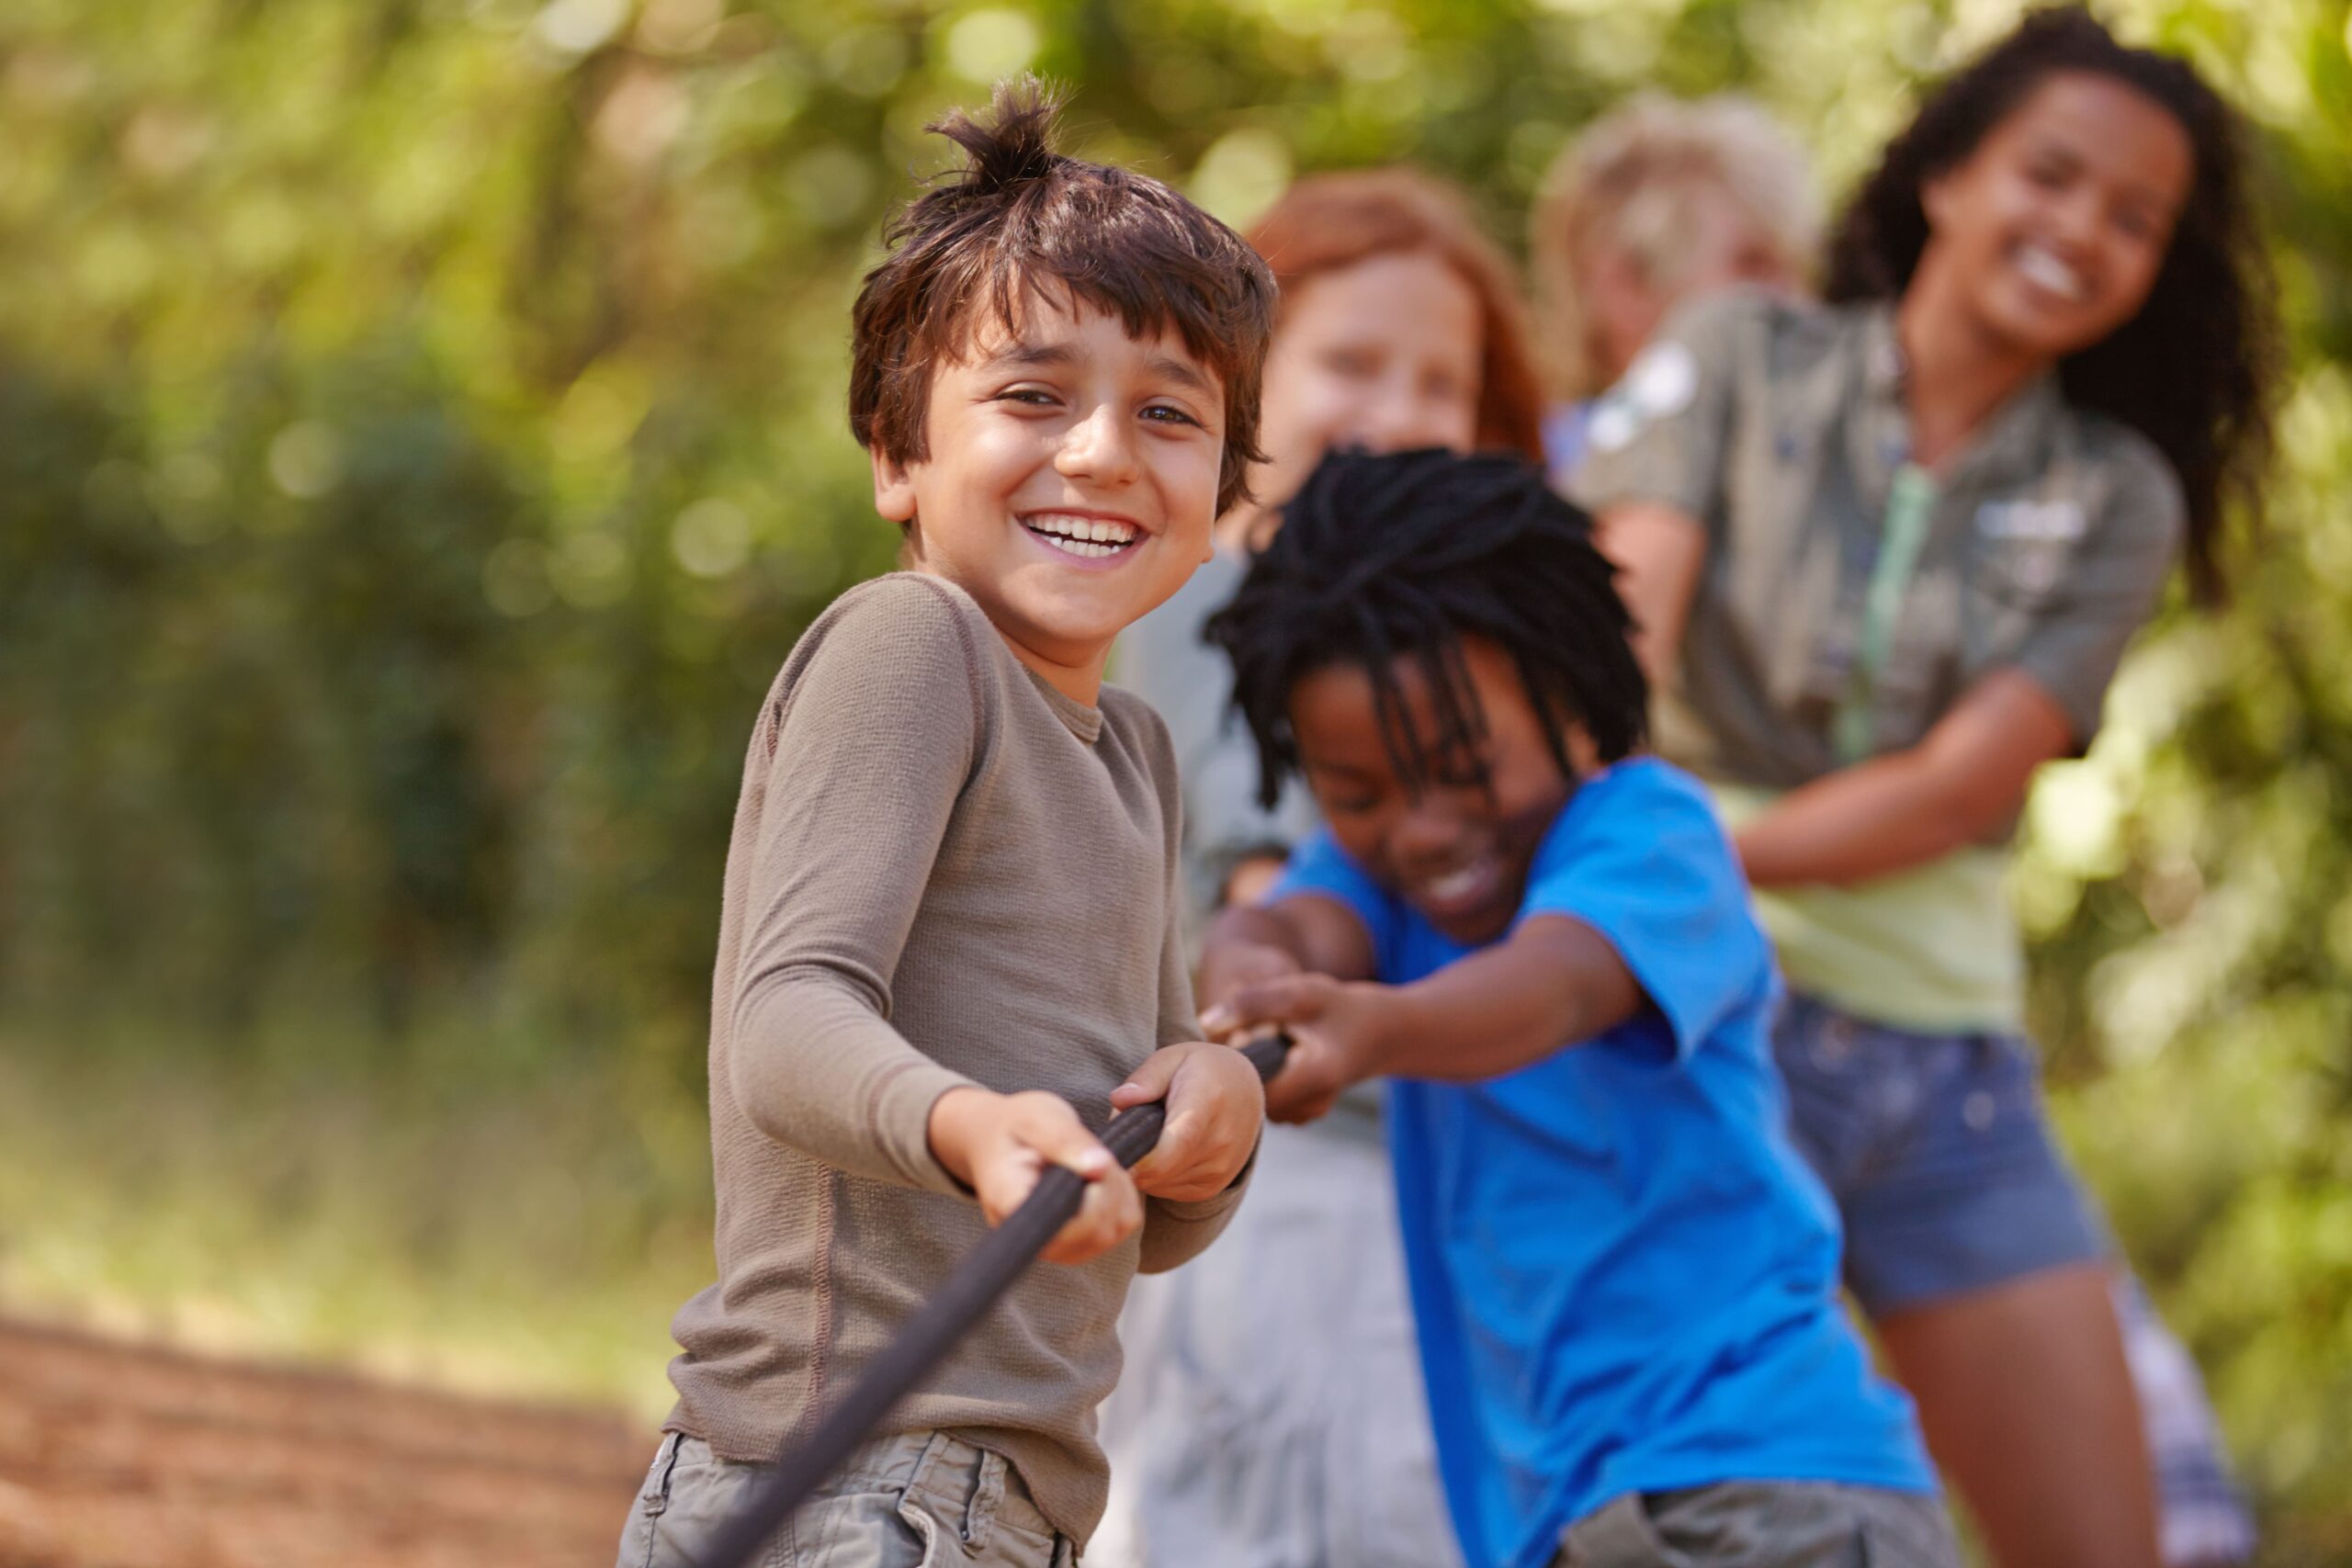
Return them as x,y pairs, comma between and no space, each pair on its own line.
1934,950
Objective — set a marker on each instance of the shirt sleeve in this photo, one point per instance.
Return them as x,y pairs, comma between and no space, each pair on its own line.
861,755
1175,1233
1319,868
1650,868
2109,590
1663,434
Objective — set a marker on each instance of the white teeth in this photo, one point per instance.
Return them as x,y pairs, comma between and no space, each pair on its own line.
1454,883
1100,529
1087,536
2049,273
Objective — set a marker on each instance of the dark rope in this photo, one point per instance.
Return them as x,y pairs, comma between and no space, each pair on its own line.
984,1275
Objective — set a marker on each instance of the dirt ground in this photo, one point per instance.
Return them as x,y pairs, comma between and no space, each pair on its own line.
122,1456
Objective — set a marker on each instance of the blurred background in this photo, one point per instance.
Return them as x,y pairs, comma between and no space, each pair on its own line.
421,437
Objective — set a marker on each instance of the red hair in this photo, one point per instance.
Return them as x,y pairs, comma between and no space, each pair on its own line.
1327,223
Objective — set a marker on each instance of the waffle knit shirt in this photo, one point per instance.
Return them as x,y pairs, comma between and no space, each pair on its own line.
943,873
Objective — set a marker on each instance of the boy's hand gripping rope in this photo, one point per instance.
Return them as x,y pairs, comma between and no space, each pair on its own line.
984,1275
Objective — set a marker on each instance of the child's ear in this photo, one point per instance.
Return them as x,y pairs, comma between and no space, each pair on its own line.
894,488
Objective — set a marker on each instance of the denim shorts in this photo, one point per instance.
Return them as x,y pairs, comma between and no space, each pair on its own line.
1939,1152
912,1500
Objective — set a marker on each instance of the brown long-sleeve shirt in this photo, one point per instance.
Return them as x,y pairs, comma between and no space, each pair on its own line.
943,873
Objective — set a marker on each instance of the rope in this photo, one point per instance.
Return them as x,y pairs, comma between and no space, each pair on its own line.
985,1273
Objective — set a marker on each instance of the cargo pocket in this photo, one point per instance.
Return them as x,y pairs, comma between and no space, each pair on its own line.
927,1536
653,1498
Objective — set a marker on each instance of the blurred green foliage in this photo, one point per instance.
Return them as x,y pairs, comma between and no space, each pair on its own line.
421,437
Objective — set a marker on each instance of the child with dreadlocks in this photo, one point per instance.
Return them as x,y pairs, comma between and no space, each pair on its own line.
1624,1276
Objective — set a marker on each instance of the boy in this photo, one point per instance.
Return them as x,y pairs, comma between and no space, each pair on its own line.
1624,1276
951,907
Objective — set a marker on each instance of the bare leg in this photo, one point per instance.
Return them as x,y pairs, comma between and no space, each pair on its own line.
2026,1404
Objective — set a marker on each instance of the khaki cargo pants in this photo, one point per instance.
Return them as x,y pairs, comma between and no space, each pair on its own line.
916,1500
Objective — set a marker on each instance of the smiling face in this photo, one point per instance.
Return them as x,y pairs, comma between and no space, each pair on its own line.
2052,230
1385,355
1070,485
1458,846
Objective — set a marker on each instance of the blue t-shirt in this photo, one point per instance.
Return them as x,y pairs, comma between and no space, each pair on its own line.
1624,1276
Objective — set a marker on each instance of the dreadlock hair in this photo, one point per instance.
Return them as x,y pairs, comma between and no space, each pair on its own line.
2197,369
1404,554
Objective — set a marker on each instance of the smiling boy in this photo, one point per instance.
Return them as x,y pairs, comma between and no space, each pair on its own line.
1623,1277
951,898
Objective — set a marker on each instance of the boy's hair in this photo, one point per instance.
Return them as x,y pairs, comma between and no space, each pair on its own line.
1632,180
2195,371
1020,218
1326,223
1405,554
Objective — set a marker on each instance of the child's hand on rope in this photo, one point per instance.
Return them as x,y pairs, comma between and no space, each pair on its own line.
998,1145
1335,1028
1215,1109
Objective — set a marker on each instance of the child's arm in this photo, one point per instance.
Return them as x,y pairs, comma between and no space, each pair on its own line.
1966,779
1194,1178
1963,783
1554,981
855,771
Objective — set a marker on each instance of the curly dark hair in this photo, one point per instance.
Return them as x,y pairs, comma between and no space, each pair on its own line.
1407,553
2195,371
1018,218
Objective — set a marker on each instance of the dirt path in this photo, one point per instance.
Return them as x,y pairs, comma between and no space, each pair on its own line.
121,1455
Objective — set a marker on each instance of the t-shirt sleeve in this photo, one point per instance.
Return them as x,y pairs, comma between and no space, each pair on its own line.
1175,1233
2110,588
1649,866
860,756
1319,867
1663,433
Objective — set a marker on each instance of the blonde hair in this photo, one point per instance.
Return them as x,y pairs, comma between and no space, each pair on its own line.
1634,180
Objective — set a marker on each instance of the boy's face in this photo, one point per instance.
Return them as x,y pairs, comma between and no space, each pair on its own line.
1459,849
1070,485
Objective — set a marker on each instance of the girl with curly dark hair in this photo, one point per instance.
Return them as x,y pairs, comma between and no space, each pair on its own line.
1887,556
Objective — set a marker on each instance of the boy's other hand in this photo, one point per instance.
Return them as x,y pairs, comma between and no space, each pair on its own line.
1215,1108
998,1144
1335,1028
